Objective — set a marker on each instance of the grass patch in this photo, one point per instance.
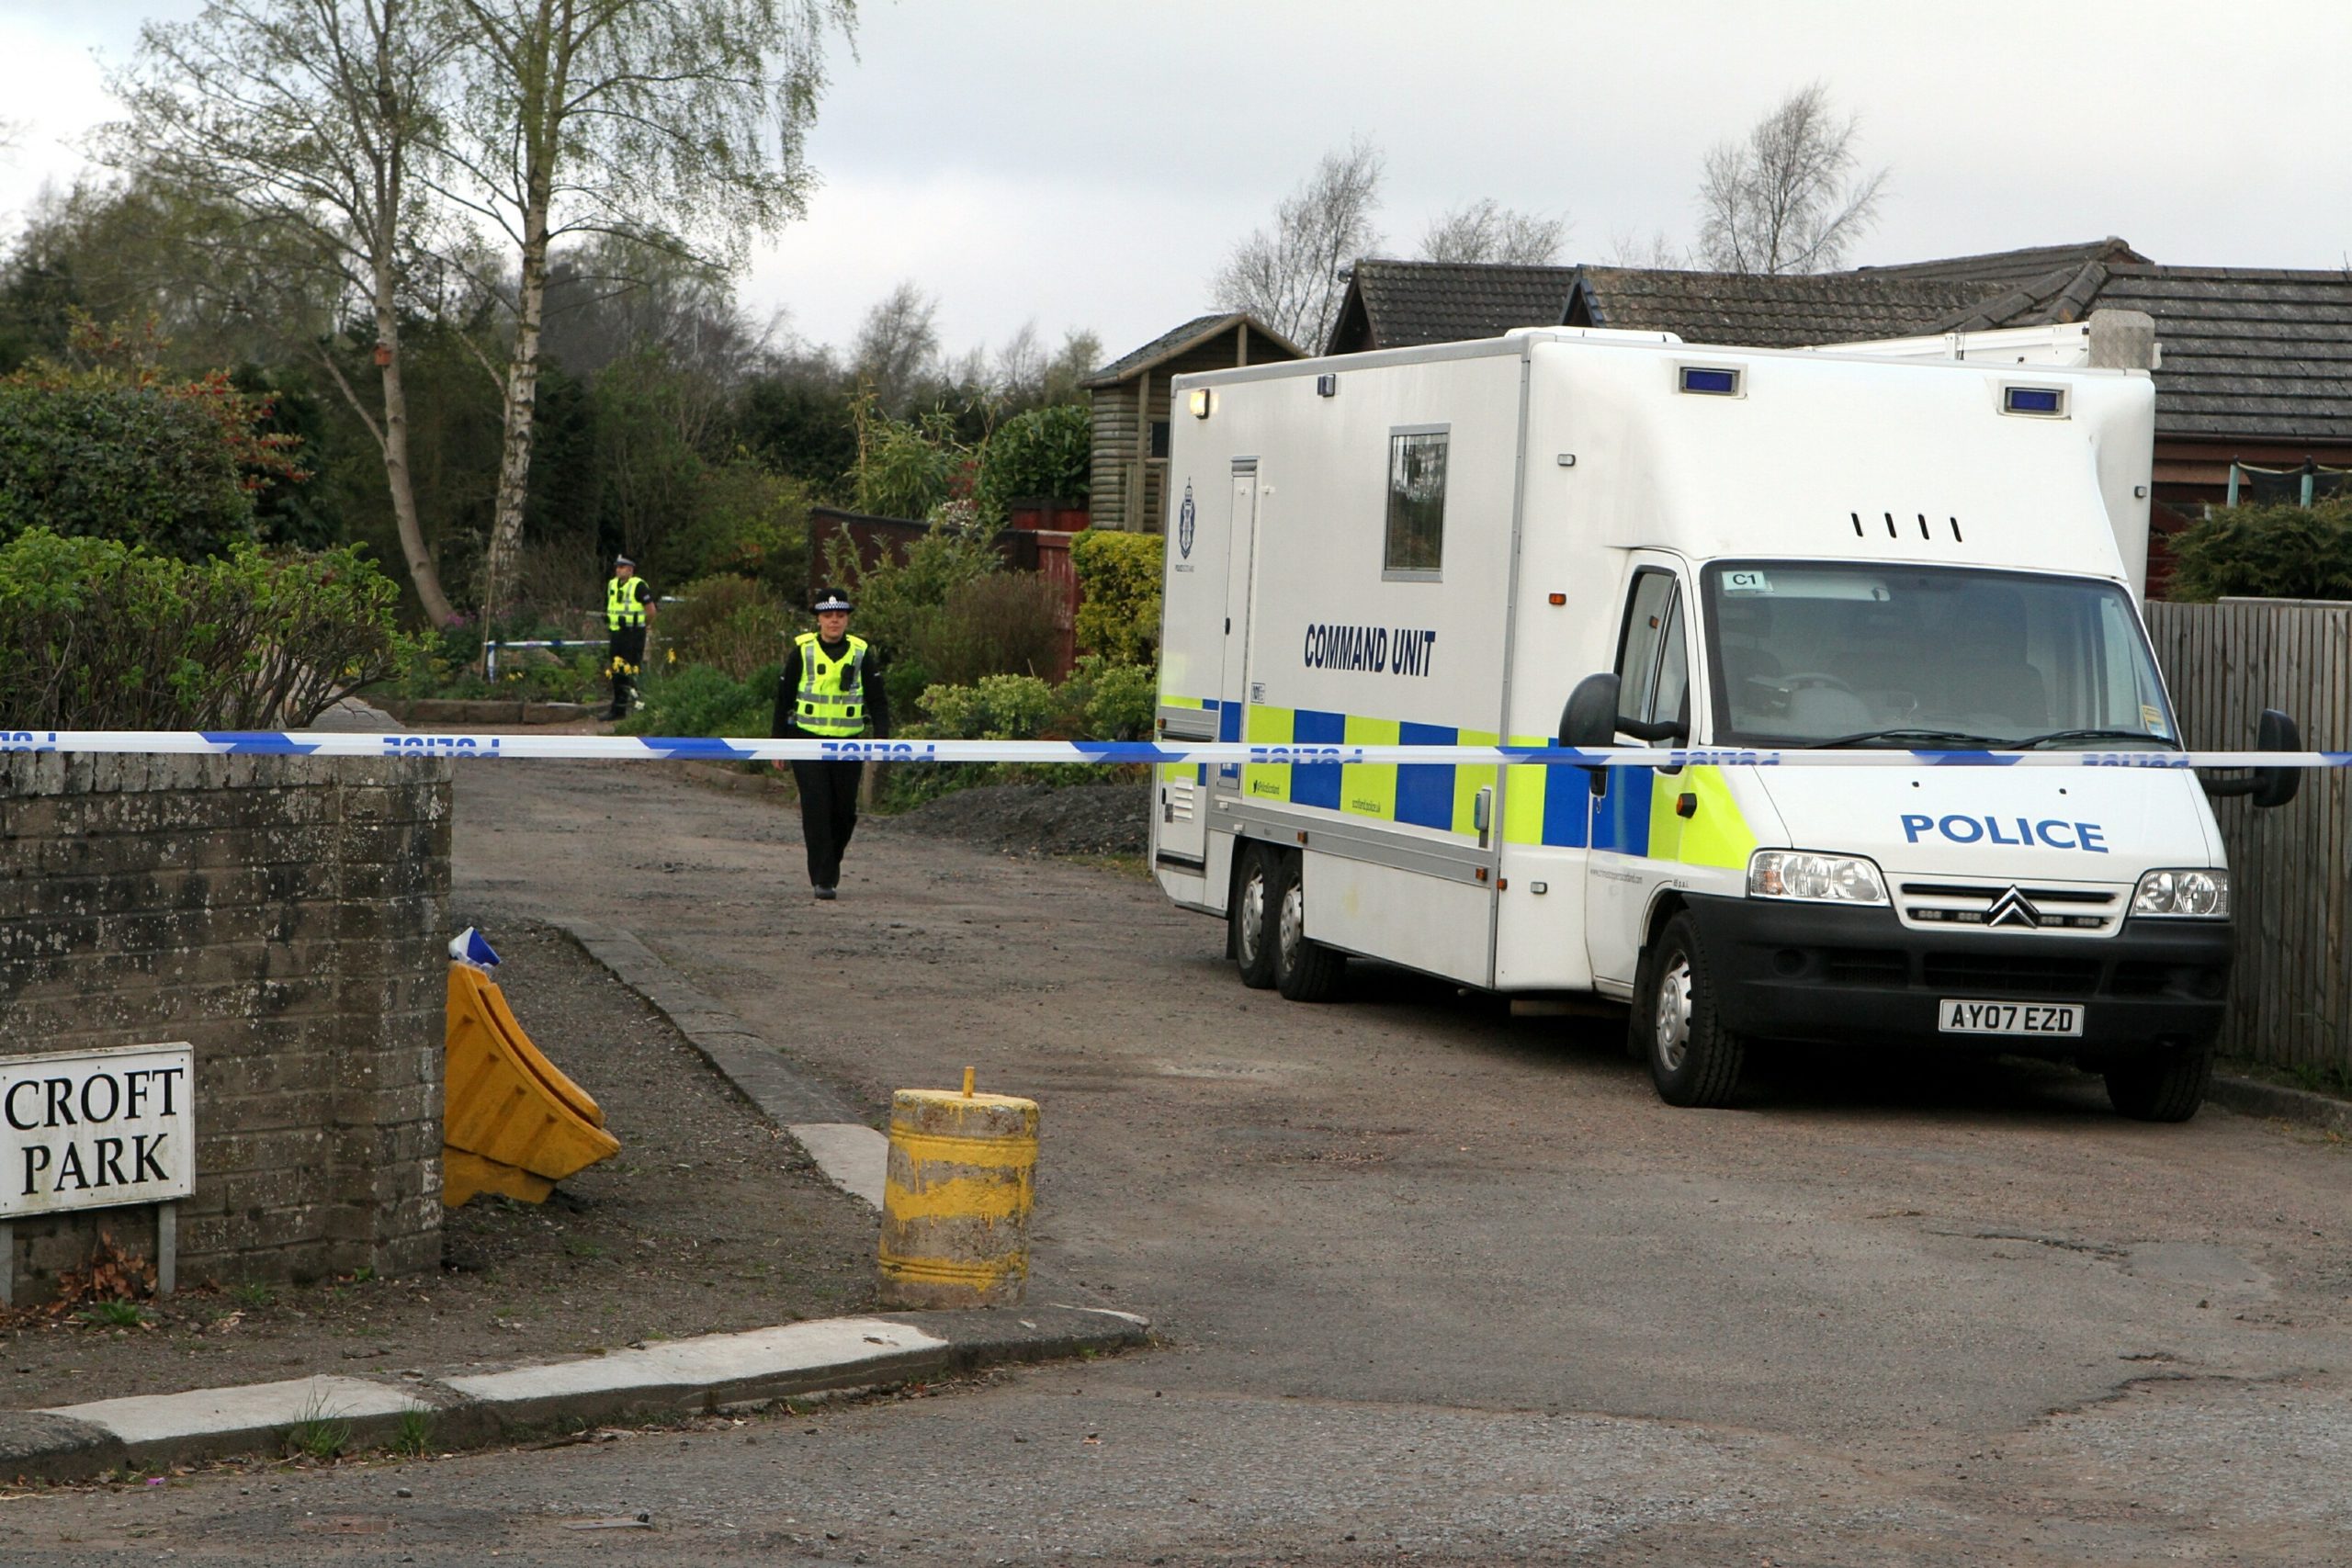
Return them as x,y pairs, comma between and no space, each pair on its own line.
412,1439
252,1295
318,1435
114,1315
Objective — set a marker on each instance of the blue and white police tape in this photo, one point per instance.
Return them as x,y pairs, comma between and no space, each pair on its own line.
690,748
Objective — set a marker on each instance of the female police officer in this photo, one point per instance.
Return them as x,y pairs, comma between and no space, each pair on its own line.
831,690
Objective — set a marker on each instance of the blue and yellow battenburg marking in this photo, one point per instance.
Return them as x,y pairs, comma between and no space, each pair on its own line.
1551,803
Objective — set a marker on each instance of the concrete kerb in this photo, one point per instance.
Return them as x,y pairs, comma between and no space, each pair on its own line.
2251,1097
751,1370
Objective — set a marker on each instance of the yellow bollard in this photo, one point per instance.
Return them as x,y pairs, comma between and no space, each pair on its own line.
955,1207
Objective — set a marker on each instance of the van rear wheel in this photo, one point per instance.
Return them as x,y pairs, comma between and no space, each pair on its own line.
1693,1059
1305,971
2165,1085
1249,919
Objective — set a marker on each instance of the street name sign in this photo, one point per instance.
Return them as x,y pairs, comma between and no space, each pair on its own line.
95,1129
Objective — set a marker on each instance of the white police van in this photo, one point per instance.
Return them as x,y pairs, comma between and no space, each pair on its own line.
1609,538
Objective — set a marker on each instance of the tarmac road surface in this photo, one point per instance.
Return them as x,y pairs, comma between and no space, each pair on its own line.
1435,1283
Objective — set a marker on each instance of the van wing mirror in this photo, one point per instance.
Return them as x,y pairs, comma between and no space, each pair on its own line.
1590,720
2269,787
2277,787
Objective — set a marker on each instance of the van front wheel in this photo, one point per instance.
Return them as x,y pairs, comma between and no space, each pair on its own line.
2163,1085
1694,1060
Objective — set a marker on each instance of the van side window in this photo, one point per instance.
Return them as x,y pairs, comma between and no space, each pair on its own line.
1414,544
1652,627
1673,670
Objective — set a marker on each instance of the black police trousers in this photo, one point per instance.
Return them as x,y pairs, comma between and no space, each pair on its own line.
627,655
828,815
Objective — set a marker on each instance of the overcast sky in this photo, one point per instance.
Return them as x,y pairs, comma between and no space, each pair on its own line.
1089,162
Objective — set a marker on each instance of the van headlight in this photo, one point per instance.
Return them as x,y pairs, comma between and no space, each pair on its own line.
1830,879
2193,894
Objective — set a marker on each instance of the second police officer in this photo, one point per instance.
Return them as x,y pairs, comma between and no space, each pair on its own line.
626,609
830,690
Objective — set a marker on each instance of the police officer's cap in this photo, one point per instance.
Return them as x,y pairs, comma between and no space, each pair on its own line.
831,599
624,561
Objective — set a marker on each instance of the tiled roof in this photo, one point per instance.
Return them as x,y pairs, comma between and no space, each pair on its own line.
1170,344
2012,268
2251,354
1765,311
1401,304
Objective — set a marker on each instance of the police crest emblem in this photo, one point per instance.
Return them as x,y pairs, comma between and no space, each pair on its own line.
1184,524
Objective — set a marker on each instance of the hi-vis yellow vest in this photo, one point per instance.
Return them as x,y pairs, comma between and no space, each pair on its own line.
832,699
623,603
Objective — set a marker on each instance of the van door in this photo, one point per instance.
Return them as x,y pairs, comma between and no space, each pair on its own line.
1241,560
1654,683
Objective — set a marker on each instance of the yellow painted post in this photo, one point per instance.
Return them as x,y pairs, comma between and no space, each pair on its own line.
956,1205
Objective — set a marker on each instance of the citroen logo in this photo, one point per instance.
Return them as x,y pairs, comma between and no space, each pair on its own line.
2012,909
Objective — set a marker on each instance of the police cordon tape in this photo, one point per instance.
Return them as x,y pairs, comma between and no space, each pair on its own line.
695,748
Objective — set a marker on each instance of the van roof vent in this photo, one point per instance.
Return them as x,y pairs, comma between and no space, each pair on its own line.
1928,531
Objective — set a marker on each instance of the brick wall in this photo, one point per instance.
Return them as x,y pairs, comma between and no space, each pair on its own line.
285,916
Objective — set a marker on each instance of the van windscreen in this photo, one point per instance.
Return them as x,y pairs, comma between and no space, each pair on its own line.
1806,651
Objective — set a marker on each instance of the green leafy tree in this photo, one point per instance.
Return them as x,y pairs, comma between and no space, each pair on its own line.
1047,453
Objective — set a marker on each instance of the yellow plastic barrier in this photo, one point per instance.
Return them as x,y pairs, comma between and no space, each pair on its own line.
511,1121
955,1203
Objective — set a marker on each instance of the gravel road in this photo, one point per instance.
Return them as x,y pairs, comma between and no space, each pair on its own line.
1435,1283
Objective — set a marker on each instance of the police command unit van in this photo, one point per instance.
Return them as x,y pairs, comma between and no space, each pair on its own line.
1603,538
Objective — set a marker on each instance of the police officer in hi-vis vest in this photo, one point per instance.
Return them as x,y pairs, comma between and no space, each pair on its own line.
628,607
831,689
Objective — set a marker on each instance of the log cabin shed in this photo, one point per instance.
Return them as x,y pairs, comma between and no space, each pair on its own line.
1132,413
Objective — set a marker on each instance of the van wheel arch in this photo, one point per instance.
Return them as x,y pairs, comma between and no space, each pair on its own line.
1668,905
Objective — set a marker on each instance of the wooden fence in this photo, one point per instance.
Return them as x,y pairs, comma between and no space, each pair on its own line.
2290,869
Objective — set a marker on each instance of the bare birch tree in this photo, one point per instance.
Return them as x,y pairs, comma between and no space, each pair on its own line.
306,119
1486,231
1289,275
1655,252
898,346
1793,197
678,124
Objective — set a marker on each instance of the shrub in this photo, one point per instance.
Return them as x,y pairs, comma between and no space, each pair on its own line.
1046,452
2279,552
995,625
114,448
95,635
995,707
1118,576
1100,701
133,464
1124,701
898,601
731,622
697,699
